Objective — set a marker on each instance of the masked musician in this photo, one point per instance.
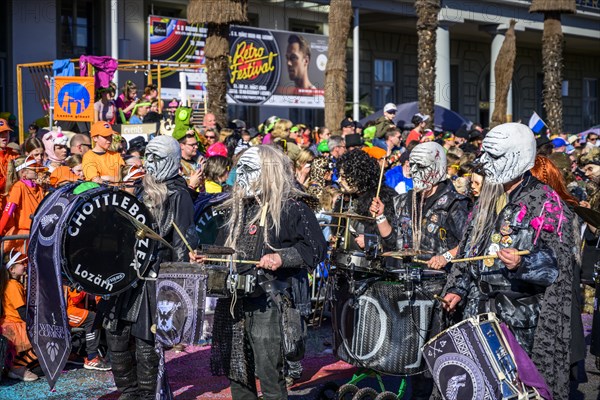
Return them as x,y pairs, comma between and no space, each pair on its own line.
267,222
430,217
530,293
132,313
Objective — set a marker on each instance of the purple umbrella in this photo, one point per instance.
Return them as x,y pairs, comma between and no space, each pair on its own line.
443,117
593,129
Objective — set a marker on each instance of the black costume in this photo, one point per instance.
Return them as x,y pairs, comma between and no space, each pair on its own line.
250,343
132,313
534,299
443,223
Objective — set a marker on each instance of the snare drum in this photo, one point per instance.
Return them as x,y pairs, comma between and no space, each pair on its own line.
472,360
384,328
356,261
94,245
180,297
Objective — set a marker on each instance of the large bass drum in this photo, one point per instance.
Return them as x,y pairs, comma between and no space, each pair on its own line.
383,326
99,250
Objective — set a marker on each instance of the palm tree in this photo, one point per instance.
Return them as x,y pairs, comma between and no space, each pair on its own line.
218,15
503,71
340,14
552,57
427,24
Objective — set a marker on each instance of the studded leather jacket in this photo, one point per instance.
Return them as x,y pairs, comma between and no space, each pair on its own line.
443,223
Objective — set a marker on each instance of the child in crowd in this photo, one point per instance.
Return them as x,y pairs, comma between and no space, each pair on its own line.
55,143
81,317
105,108
12,318
24,196
139,112
126,101
72,171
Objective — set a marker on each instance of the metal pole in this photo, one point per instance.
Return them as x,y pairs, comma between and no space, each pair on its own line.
20,101
355,70
114,35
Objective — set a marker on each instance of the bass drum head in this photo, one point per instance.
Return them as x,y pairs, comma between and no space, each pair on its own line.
101,250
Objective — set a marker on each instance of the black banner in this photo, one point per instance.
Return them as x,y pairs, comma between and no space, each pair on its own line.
47,323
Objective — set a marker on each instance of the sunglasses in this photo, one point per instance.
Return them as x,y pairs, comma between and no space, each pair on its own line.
211,137
592,139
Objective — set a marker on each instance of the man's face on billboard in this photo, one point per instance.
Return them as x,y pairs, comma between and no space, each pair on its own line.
297,62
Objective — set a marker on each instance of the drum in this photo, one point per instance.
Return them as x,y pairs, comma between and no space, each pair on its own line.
356,261
99,251
472,360
384,327
180,298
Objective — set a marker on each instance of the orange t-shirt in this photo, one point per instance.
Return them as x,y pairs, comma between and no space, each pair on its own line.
27,200
105,164
61,175
5,156
14,297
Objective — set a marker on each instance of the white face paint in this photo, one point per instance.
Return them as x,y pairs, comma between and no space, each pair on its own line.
427,165
163,158
248,172
508,151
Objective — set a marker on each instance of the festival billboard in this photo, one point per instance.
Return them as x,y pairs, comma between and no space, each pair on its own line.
266,67
73,98
276,68
172,39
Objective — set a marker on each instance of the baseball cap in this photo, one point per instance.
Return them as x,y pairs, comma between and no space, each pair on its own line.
390,108
559,142
101,128
4,125
418,118
346,122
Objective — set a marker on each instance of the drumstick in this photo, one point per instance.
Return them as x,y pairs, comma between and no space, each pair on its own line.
380,181
228,260
420,261
182,237
439,298
518,253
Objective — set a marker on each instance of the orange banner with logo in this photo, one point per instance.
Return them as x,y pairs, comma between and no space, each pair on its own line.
74,98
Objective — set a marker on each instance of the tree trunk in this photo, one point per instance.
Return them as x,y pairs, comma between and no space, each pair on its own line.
552,50
340,14
216,54
503,73
427,23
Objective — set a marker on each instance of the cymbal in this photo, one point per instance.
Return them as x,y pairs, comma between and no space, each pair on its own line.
405,253
143,229
590,216
350,215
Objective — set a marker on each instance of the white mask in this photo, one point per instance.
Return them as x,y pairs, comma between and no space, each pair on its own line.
427,165
248,172
508,152
163,158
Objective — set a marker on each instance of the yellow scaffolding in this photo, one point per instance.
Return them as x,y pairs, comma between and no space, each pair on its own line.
153,68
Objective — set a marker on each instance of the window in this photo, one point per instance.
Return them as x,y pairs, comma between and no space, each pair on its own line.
306,26
79,35
590,102
384,87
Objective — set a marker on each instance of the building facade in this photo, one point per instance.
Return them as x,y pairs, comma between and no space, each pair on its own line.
468,41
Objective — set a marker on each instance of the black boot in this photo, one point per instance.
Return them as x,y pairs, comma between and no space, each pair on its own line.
147,373
123,363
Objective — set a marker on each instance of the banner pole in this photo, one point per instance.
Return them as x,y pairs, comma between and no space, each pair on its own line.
20,101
